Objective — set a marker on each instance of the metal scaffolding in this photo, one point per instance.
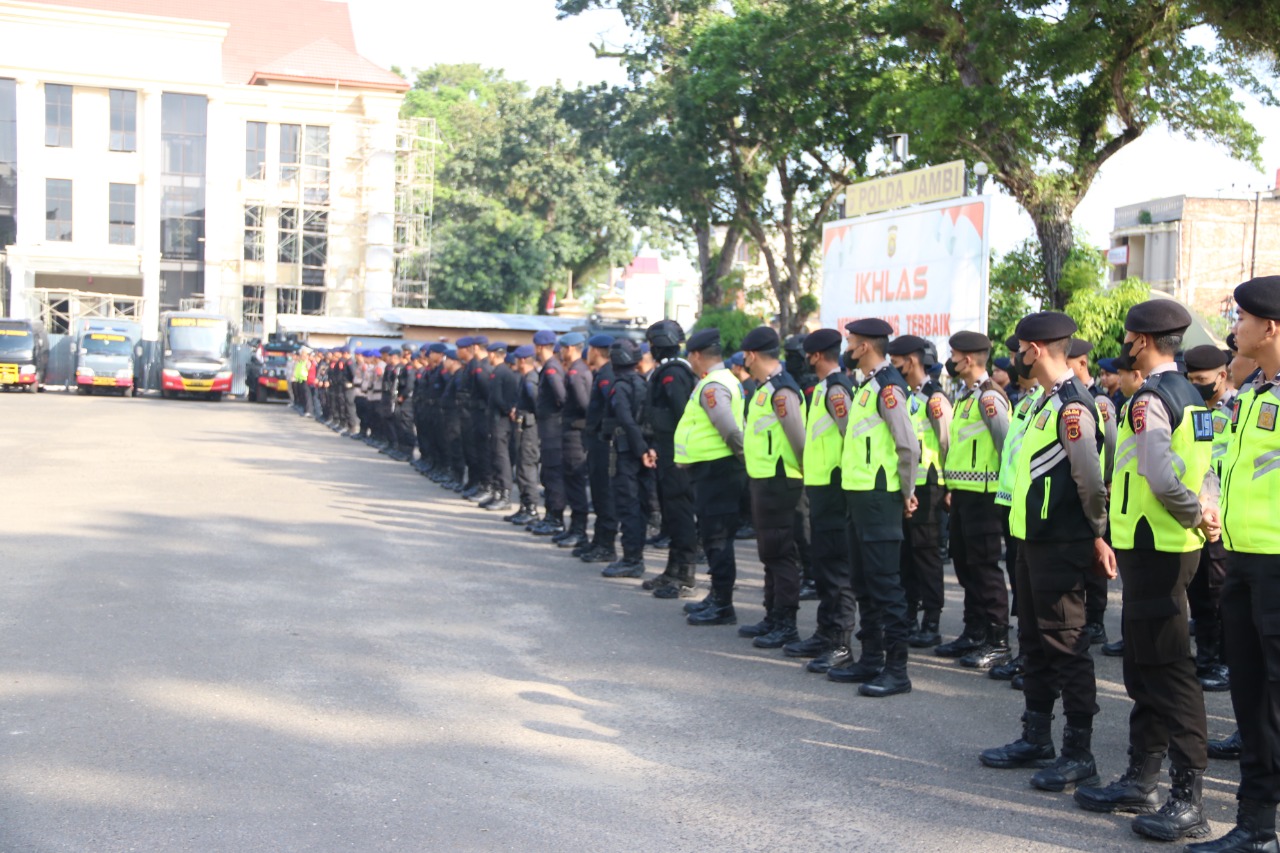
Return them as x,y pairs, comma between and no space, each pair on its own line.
61,310
416,142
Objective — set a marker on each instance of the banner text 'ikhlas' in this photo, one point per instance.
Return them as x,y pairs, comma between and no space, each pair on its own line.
924,270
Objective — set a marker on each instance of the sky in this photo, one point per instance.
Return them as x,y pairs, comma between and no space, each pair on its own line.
524,38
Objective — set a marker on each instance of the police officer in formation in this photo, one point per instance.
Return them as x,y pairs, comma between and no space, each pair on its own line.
1068,489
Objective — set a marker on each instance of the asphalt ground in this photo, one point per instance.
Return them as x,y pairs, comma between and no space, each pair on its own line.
223,628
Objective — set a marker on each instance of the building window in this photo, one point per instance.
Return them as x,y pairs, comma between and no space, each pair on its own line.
124,202
57,115
57,204
255,240
255,150
304,240
290,151
183,125
182,223
124,120
8,163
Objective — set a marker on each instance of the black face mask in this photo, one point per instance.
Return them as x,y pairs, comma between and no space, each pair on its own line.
1021,370
951,369
1206,389
1126,351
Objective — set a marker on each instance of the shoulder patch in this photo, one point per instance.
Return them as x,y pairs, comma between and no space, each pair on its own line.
1139,415
550,371
1105,411
1071,419
709,395
889,398
1267,416
667,380
780,405
989,406
935,406
838,405
604,383
573,372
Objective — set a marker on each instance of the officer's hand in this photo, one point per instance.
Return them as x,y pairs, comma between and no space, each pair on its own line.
946,501
512,414
1211,524
650,459
913,504
1104,559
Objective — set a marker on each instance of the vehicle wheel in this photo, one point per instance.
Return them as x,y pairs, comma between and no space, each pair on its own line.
215,396
167,394
82,390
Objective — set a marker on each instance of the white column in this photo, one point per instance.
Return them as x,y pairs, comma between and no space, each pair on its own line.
150,149
30,215
21,281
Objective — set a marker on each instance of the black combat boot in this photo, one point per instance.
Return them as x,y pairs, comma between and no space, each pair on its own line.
1006,671
839,654
1182,815
630,566
718,611
1227,749
866,667
552,525
677,587
808,591
1074,767
1134,792
971,640
893,679
527,513
576,536
1114,649
816,645
927,637
1097,633
500,503
764,626
1210,670
1033,749
784,630
993,652
600,554
694,606
1254,832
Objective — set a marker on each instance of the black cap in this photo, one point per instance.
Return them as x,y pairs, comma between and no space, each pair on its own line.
794,343
1157,317
624,353
869,327
970,342
385,351
907,344
1260,297
1011,343
665,333
822,340
1231,341
1079,347
1045,326
760,339
1004,364
1204,357
700,340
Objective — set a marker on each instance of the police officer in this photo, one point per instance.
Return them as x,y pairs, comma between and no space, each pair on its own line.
502,391
601,548
669,390
978,431
797,365
550,406
577,383
826,418
878,473
480,372
773,449
434,387
1162,511
930,412
1059,512
708,440
1207,372
630,455
465,347
526,437
1095,600
1251,591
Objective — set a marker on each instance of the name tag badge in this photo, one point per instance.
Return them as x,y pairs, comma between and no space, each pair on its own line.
1267,417
1043,419
866,395
1202,425
965,407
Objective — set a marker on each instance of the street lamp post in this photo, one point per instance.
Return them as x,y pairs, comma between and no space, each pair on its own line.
981,172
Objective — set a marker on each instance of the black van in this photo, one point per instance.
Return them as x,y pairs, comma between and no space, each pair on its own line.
24,354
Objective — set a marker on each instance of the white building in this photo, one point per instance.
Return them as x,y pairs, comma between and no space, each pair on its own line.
233,155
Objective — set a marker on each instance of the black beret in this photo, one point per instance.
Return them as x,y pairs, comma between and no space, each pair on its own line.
761,338
1204,357
1045,326
1260,297
822,340
906,345
1079,347
970,342
1011,343
702,339
869,327
1231,342
794,343
1157,317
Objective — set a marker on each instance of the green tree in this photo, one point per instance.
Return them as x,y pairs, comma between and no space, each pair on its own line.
1100,313
732,323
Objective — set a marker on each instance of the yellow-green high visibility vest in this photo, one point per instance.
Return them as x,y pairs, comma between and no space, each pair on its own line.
870,459
1012,442
973,465
764,442
1138,519
930,457
696,438
823,441
1222,435
1046,504
1250,478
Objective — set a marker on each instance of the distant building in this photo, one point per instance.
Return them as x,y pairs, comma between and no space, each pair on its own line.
659,288
1197,249
234,155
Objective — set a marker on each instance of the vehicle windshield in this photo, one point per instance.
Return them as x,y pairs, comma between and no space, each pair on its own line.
198,337
15,343
275,359
105,344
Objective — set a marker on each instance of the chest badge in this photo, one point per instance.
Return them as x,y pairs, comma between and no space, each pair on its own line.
1267,417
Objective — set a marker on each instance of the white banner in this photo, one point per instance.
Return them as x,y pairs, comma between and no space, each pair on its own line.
924,270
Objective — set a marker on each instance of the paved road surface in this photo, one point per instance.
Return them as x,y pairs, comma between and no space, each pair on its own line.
224,629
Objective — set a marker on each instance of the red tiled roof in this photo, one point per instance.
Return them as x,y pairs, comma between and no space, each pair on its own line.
313,38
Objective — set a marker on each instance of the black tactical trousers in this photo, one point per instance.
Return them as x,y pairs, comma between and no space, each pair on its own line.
575,472
976,546
675,489
773,507
626,501
875,544
606,526
527,456
451,435
1204,593
1159,672
717,491
500,451
480,427
1251,617
922,556
1051,627
404,428
832,571
551,444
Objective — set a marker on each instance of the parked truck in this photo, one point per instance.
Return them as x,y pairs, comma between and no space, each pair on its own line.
104,356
